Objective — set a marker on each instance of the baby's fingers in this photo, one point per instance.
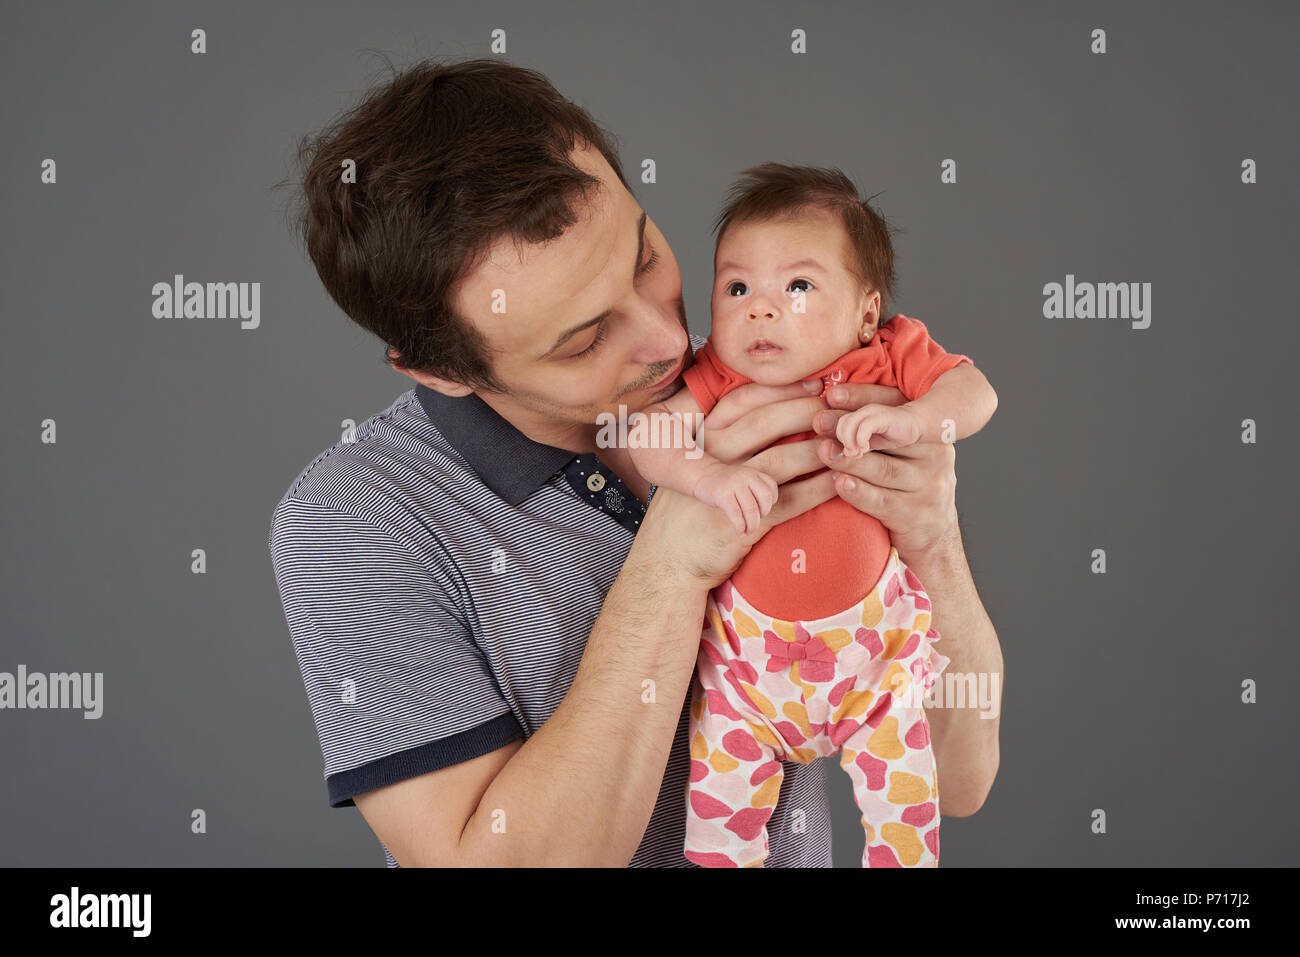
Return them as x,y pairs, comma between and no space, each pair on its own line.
749,505
846,430
865,433
855,430
734,515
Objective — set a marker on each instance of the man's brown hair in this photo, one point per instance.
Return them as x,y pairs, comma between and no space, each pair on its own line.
449,158
776,191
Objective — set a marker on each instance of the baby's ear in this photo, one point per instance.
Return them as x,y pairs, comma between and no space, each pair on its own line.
870,315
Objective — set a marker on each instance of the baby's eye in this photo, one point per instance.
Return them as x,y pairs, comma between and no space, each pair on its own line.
795,282
731,288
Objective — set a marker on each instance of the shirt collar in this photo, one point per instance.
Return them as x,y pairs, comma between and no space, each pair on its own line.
506,460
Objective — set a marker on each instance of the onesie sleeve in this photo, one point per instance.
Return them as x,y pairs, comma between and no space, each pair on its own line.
707,378
916,359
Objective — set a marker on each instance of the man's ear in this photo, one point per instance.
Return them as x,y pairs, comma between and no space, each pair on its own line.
436,383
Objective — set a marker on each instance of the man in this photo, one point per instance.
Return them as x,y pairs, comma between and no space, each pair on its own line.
496,633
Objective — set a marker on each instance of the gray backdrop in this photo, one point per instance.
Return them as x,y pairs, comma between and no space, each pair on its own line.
1123,690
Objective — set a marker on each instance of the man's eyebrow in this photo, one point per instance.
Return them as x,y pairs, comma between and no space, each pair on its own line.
802,263
568,334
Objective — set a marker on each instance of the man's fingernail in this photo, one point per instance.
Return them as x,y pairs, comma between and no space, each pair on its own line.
812,385
849,485
819,421
836,394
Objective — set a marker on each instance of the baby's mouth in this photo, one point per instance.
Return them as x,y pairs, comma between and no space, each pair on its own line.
763,348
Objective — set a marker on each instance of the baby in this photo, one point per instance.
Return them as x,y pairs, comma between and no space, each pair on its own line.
818,642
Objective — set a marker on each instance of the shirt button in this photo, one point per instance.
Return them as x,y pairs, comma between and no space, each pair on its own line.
595,481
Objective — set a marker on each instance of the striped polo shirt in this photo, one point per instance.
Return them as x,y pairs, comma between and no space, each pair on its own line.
440,575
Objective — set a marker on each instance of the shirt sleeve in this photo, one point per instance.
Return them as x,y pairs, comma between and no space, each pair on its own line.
917,360
706,378
396,684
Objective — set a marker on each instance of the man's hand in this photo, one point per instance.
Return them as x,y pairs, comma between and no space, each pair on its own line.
699,540
911,490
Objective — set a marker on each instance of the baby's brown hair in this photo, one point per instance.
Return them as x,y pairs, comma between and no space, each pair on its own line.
775,191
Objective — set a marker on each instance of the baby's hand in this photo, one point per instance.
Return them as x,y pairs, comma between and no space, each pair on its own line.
874,427
745,494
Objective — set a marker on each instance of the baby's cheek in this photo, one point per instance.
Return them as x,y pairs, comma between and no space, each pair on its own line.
724,326
728,342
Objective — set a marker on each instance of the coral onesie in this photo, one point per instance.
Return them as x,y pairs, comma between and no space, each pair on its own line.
845,549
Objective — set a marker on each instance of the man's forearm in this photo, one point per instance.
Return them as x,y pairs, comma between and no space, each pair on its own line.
965,742
581,790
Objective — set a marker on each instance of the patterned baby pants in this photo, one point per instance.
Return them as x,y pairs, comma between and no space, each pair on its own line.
768,690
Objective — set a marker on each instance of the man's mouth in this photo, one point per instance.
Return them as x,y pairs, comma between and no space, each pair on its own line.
670,378
763,348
